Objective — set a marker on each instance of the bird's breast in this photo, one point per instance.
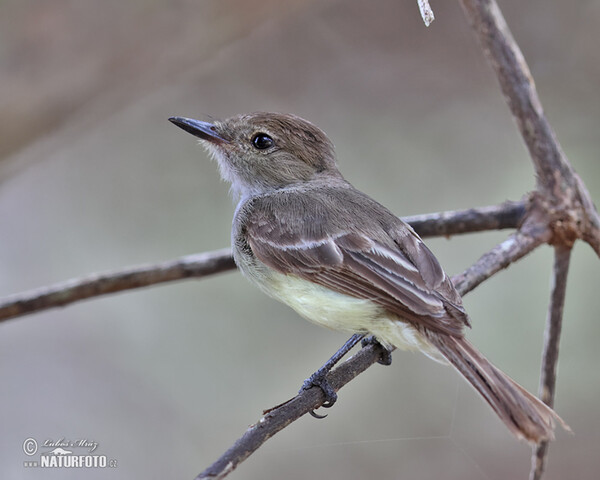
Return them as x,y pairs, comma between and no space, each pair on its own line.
334,310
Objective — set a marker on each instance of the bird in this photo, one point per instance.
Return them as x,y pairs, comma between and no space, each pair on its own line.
308,238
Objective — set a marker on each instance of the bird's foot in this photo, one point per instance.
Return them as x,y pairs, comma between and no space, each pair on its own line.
386,356
319,379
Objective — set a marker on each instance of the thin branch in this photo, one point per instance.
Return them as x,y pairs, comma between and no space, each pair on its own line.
191,266
426,12
562,257
280,417
515,247
505,215
591,227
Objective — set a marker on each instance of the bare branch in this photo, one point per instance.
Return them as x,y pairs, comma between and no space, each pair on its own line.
281,416
519,89
591,225
515,247
562,202
191,266
562,257
505,215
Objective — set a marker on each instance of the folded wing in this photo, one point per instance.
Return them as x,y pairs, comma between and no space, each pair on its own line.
395,270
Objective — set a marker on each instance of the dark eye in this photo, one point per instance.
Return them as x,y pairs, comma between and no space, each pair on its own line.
262,141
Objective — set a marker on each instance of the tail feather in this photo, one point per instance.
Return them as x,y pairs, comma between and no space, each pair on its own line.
526,416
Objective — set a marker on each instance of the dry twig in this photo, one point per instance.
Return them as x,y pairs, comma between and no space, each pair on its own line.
280,417
515,247
61,294
426,12
562,258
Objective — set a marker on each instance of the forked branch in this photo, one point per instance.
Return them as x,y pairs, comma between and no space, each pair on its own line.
565,195
562,199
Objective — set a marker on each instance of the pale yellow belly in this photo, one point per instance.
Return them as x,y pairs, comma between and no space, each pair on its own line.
342,312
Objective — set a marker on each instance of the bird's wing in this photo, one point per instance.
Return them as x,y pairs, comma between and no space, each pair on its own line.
393,267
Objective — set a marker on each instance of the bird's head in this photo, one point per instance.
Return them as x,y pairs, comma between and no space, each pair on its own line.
261,152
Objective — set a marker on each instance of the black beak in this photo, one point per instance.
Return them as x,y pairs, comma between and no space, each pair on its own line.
203,130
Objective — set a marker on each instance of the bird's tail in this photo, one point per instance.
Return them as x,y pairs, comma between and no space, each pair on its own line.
526,416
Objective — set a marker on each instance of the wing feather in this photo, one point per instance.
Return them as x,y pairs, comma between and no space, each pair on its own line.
386,263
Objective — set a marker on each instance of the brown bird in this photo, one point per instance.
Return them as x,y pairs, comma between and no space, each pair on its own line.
308,238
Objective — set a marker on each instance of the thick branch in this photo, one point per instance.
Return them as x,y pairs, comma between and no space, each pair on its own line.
562,257
505,215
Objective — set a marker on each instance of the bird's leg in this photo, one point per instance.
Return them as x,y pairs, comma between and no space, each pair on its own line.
318,379
386,355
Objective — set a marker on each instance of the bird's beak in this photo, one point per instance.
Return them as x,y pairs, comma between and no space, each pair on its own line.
203,130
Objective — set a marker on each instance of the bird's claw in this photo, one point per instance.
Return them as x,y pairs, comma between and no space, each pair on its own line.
318,379
386,356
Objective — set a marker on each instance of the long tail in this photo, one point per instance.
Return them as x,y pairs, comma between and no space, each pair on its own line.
526,416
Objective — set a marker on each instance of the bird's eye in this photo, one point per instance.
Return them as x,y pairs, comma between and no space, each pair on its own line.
262,141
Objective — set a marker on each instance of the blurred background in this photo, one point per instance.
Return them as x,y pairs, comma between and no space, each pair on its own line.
94,177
